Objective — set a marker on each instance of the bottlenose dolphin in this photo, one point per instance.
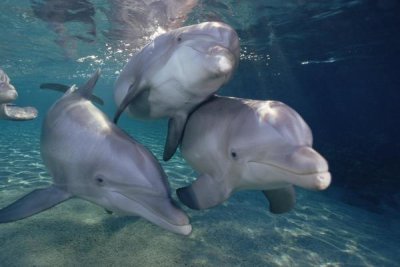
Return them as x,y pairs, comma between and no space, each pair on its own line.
8,94
238,144
174,73
90,158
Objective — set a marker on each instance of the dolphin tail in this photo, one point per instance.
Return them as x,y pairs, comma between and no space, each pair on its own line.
37,201
203,193
176,126
64,88
281,200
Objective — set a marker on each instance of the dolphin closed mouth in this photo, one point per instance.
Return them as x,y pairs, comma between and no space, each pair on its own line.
152,208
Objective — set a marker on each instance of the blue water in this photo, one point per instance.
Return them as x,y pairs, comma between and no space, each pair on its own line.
334,62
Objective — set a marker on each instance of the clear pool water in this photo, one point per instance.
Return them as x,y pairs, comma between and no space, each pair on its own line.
335,62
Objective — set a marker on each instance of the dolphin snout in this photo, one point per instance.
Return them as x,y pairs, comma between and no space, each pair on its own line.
224,59
13,93
228,38
322,181
307,160
311,168
156,208
7,93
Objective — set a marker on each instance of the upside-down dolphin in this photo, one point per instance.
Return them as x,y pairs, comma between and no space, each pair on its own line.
239,144
8,94
174,73
90,158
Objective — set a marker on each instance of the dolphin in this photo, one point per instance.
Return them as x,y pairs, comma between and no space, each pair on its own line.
90,158
240,144
8,94
174,73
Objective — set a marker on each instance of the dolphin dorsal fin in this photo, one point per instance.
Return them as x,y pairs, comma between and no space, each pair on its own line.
65,88
86,90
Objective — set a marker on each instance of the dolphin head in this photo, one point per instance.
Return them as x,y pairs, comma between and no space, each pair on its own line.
209,47
275,146
7,91
203,55
125,178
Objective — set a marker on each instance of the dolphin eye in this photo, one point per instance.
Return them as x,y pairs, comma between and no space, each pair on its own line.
179,39
99,180
234,155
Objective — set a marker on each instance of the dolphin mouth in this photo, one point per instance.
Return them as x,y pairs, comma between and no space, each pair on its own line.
214,50
140,208
313,180
213,45
221,60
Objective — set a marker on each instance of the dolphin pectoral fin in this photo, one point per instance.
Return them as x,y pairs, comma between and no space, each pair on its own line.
55,86
37,201
203,193
64,88
176,126
281,200
133,92
15,113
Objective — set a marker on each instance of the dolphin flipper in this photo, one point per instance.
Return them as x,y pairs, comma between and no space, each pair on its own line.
64,88
133,92
55,86
281,200
176,126
37,201
203,193
15,113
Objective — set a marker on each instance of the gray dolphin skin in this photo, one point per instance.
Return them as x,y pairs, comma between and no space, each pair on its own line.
174,73
240,144
8,94
90,158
